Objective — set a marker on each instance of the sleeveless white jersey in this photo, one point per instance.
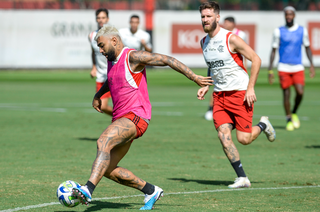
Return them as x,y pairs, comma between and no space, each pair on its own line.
226,67
133,41
101,60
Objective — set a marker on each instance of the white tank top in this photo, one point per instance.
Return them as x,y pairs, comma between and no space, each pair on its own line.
101,61
226,67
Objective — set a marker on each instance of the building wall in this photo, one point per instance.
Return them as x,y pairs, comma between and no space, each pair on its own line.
59,39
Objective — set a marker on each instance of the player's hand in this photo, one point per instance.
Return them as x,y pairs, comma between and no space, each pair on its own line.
93,72
143,42
312,73
96,104
250,97
271,78
202,92
203,81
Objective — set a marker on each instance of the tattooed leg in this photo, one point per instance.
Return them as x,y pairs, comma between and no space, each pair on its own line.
118,134
224,134
126,177
119,174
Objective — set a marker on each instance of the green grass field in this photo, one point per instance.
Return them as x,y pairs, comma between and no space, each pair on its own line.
49,129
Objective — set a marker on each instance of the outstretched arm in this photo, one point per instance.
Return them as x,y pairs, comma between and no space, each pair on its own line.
139,59
309,54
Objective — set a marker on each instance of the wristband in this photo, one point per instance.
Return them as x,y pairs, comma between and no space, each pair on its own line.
270,72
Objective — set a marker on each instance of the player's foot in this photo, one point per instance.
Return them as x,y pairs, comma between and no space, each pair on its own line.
289,126
150,200
82,194
295,120
240,182
208,116
269,131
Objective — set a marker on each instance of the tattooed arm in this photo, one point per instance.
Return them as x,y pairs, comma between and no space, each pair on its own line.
139,59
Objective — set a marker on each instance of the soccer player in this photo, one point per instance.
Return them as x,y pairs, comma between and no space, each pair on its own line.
234,93
289,39
229,24
99,62
127,84
135,38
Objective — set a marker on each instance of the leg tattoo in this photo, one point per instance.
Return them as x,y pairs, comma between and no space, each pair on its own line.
126,177
117,134
224,133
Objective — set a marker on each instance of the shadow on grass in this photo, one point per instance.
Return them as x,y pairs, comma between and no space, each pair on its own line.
100,205
88,139
279,127
313,147
206,182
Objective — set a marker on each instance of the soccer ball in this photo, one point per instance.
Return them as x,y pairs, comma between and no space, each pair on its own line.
64,193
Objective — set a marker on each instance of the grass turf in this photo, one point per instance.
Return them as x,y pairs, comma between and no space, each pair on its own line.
48,133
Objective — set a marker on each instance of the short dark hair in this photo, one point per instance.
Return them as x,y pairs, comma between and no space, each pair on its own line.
230,18
210,5
134,16
98,11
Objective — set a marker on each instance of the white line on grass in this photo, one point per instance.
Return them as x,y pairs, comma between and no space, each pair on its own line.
174,193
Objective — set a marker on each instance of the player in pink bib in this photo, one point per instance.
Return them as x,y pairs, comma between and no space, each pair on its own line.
127,84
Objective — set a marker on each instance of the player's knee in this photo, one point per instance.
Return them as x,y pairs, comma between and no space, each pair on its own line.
245,140
299,92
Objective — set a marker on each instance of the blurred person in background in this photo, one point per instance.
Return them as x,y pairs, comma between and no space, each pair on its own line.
234,93
229,24
134,37
289,39
100,64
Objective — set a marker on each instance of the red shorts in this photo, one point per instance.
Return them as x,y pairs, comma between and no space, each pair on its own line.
291,78
141,124
98,86
229,107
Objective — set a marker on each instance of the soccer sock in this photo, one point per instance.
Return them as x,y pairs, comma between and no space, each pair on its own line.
148,189
289,119
237,166
210,108
90,187
262,126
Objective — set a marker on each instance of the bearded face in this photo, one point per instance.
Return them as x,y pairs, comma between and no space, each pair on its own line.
111,54
289,16
209,20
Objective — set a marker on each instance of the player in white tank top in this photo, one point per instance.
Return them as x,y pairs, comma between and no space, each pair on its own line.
228,24
225,66
234,93
99,62
134,37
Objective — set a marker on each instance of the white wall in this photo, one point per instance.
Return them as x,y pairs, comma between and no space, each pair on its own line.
36,39
265,23
51,38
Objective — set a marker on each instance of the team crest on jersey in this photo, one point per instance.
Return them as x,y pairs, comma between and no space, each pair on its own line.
220,48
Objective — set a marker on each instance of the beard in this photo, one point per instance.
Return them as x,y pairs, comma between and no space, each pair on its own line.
289,23
111,55
213,26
